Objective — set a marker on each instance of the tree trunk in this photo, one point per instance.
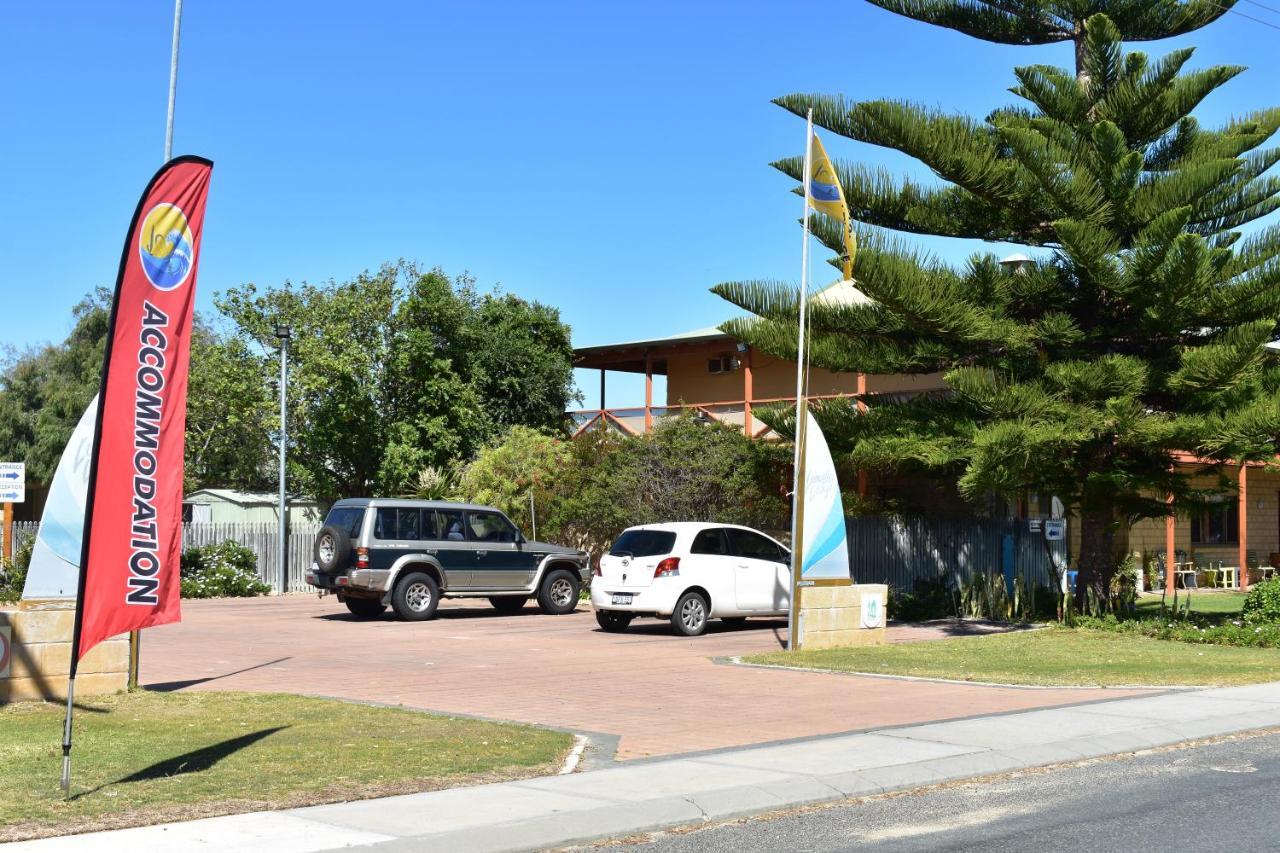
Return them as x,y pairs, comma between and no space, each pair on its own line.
1096,560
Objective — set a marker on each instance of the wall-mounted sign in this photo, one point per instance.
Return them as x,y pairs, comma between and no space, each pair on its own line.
873,610
1033,525
1055,529
5,646
13,482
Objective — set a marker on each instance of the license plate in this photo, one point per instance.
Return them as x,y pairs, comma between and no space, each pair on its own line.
621,599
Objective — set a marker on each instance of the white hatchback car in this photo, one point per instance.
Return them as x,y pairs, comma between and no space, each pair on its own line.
691,572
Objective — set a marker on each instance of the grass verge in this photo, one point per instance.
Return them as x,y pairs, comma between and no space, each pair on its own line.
147,757
1058,657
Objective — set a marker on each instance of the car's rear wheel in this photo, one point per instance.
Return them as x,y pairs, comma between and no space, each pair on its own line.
613,621
365,608
508,603
558,594
416,597
689,619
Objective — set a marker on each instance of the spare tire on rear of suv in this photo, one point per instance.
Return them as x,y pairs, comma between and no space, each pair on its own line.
332,549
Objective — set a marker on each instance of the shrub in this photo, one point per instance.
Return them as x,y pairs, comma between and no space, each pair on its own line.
1188,630
13,574
931,598
226,570
1262,604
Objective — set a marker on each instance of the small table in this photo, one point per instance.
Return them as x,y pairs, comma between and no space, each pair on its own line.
1229,576
1185,577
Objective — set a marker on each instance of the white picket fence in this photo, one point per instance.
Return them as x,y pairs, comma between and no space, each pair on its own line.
262,539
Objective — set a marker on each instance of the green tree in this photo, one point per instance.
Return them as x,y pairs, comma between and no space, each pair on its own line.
523,462
1139,331
44,391
685,470
400,371
230,415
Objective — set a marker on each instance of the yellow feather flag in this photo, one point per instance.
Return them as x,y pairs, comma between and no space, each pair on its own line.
826,195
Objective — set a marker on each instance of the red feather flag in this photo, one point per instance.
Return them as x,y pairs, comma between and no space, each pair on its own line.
129,564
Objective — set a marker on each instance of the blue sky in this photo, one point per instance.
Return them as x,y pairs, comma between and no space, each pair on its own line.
606,158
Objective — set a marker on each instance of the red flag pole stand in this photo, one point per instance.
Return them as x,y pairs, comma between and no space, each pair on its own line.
66,738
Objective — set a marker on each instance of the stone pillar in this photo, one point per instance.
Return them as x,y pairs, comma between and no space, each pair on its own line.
833,616
37,637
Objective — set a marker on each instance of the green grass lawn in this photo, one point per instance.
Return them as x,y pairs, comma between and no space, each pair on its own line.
148,757
1224,602
1054,656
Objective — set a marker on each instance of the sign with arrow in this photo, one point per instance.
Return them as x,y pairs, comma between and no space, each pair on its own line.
13,482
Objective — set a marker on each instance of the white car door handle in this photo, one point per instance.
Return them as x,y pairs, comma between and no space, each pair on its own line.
743,566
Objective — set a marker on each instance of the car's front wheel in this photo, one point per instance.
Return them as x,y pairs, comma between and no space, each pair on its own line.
508,603
689,619
613,621
416,597
365,608
558,594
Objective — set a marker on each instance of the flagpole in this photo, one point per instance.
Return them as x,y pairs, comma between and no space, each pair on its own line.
797,485
135,636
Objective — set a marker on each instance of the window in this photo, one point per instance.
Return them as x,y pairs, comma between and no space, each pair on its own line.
408,524
1218,525
643,543
490,527
710,541
446,525
348,518
753,546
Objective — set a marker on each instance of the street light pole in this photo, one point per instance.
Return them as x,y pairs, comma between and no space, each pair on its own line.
284,333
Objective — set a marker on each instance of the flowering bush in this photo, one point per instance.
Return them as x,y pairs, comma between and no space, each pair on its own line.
1262,604
13,575
1193,630
217,571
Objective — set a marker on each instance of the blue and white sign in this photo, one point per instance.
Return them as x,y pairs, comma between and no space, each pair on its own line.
13,482
873,610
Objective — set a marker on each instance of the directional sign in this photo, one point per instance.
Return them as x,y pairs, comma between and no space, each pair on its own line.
13,482
1055,529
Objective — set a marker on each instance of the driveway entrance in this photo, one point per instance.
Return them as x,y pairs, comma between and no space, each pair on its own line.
657,693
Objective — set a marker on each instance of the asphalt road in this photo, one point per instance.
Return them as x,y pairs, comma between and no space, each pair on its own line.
1219,796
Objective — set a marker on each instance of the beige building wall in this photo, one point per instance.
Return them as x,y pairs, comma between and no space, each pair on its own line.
689,382
1263,523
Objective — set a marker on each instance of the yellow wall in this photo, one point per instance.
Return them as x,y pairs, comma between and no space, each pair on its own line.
1263,522
689,382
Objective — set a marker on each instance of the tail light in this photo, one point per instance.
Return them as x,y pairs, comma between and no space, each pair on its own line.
668,568
362,558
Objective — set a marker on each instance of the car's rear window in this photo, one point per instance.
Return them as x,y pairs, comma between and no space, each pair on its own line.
346,518
643,543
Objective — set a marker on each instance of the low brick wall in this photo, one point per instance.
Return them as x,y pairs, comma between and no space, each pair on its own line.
39,642
831,616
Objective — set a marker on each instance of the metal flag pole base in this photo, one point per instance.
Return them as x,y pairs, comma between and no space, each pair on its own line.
66,737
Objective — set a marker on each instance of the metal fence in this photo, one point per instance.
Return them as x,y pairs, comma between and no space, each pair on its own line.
901,551
262,539
882,549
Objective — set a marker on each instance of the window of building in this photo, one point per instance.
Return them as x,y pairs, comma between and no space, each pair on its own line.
1218,525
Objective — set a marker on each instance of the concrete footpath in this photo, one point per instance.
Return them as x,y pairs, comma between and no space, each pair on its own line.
649,795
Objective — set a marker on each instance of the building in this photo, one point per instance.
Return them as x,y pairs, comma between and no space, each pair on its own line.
717,377
227,506
714,376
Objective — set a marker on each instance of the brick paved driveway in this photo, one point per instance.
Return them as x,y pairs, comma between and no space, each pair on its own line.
656,692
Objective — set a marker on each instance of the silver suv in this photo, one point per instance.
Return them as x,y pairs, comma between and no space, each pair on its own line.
407,554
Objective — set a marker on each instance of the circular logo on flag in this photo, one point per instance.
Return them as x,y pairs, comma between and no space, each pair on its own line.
165,246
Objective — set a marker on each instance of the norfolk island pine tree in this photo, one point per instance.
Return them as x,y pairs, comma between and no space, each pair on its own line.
1139,333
